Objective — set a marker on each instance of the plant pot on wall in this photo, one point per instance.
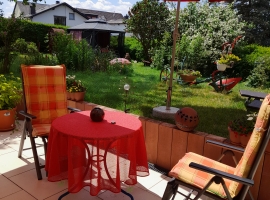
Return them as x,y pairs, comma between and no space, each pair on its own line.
79,96
244,139
234,137
7,119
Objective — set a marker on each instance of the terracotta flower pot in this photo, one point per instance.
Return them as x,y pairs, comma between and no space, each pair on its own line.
79,96
68,95
244,139
234,137
188,78
7,119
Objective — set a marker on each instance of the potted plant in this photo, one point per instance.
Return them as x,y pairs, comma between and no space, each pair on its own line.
189,75
241,129
226,61
10,96
75,88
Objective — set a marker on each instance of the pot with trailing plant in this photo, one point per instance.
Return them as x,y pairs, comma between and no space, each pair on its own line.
241,129
226,61
75,88
189,75
10,96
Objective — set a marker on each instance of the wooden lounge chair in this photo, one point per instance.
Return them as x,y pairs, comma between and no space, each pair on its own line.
217,180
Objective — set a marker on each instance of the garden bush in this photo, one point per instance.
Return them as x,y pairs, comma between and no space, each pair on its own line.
134,48
259,76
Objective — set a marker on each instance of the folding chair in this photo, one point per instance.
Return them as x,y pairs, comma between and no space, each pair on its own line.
217,180
45,99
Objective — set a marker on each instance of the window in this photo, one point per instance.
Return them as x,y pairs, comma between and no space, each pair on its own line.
71,16
60,20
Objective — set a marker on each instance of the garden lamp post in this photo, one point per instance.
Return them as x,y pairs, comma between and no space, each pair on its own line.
126,88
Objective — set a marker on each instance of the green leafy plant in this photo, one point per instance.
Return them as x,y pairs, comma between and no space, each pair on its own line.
228,59
189,72
244,125
74,85
10,91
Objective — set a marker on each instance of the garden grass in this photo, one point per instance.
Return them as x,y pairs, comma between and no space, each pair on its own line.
215,110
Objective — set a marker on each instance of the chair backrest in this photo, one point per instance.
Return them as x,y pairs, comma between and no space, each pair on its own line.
255,148
44,92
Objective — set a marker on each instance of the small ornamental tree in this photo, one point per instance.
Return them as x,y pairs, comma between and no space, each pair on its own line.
148,22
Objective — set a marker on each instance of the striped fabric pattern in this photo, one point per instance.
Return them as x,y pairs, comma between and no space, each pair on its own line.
243,167
183,172
45,94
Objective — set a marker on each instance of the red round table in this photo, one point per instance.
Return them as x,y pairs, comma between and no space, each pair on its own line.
96,154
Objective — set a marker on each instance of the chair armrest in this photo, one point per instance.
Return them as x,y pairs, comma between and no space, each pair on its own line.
219,173
73,109
225,146
27,115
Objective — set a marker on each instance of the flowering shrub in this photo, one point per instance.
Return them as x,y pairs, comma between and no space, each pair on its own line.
244,125
228,59
74,85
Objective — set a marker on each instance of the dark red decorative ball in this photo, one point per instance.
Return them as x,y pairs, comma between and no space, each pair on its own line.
97,114
186,119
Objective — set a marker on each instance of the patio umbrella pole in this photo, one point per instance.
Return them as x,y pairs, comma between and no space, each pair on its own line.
175,36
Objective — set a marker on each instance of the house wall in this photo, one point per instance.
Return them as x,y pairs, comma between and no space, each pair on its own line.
166,144
17,11
48,16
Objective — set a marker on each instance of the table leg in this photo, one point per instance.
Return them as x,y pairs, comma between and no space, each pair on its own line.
105,166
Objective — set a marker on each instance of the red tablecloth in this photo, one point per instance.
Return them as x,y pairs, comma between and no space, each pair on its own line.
96,154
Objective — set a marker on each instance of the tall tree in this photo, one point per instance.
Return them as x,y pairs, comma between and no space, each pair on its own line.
1,10
148,22
257,14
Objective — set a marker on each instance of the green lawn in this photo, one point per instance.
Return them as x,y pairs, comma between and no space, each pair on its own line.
215,110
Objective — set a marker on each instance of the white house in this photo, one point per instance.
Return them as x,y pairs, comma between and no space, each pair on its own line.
60,13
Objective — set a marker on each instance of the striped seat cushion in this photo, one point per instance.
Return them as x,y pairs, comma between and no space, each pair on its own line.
41,129
244,165
183,172
45,94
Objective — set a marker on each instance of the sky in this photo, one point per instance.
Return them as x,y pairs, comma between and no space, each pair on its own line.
118,6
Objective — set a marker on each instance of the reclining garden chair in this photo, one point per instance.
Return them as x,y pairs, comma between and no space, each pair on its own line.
217,180
45,99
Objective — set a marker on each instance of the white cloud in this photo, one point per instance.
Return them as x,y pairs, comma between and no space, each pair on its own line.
103,5
7,8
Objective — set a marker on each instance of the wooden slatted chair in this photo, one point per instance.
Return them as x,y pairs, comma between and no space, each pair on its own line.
45,99
217,180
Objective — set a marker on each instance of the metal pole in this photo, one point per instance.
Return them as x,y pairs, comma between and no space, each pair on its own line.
175,36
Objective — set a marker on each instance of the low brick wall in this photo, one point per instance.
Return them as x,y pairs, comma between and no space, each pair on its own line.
166,144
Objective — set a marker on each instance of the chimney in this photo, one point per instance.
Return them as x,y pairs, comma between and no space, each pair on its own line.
57,2
32,9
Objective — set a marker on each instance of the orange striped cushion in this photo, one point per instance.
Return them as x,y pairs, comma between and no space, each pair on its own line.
41,129
243,167
45,92
183,172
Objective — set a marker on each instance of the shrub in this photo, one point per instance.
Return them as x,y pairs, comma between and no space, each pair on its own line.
24,47
134,48
259,76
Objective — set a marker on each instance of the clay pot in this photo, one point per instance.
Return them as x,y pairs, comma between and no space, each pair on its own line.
79,96
68,95
187,78
186,119
97,114
244,139
7,119
234,137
